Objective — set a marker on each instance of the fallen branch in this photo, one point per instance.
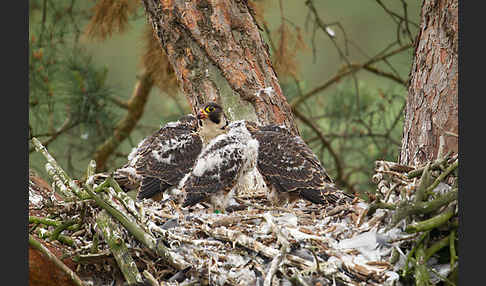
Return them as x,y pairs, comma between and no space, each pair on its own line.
57,231
277,260
274,265
421,273
44,234
139,233
421,193
379,205
407,209
443,175
112,236
434,166
437,246
66,180
431,223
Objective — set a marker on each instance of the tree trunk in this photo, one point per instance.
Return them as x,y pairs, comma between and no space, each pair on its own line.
431,116
218,53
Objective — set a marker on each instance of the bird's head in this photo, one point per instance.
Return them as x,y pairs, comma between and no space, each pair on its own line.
211,111
212,121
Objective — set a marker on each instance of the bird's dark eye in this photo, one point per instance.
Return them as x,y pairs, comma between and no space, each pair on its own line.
209,109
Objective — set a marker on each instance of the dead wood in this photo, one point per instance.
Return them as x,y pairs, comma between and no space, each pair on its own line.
308,244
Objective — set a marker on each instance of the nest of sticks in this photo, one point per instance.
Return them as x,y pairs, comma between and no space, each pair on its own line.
400,236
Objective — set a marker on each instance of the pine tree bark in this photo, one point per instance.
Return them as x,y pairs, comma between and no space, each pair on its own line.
431,115
219,55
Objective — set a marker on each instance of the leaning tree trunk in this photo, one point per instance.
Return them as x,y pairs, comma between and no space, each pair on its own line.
431,116
218,54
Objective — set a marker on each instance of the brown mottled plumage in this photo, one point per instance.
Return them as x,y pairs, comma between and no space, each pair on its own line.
291,170
221,164
164,158
161,160
288,166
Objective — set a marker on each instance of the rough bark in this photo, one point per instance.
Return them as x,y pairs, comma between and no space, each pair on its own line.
218,54
432,104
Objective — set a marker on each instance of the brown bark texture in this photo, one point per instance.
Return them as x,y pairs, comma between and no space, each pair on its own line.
432,104
218,54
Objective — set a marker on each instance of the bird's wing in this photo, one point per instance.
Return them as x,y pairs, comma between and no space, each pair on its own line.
215,170
166,159
288,164
275,128
126,176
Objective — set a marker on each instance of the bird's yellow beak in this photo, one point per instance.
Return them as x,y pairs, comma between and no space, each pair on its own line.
202,114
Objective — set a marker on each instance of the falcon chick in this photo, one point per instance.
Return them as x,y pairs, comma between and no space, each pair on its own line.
220,166
288,166
291,170
164,158
212,121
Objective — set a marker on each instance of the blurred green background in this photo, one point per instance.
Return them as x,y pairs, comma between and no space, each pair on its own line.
115,63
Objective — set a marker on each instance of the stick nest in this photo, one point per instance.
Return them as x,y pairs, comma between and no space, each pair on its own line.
377,243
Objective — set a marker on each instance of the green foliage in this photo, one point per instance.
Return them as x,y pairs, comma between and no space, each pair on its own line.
87,95
360,130
68,94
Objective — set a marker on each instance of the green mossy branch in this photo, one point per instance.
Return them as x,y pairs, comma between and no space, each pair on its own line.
433,213
137,231
437,246
112,236
421,194
433,166
431,223
442,176
66,180
421,273
57,231
406,209
103,202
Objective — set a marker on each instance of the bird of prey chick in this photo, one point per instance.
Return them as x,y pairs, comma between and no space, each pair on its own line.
161,160
219,167
288,166
212,121
165,157
291,170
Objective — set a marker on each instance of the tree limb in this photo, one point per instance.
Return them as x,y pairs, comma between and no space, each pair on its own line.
111,235
125,126
299,100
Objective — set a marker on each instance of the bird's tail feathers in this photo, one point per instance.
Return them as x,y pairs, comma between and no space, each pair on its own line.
192,198
124,180
149,187
336,196
329,195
